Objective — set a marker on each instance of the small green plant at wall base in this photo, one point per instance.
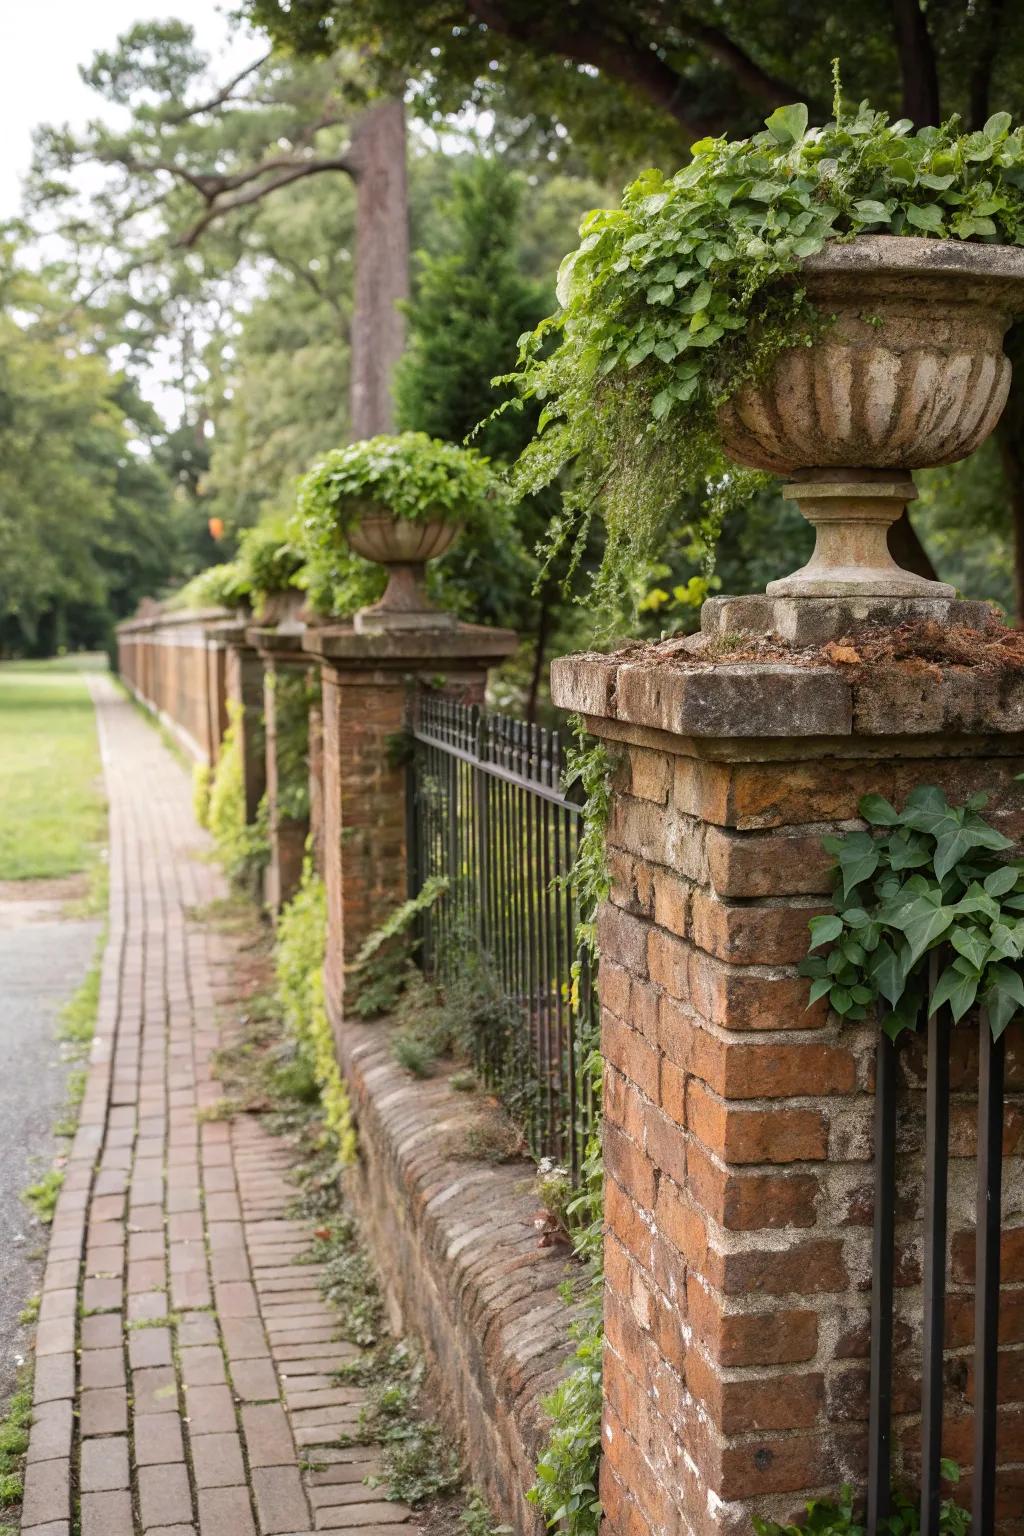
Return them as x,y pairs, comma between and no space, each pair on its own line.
14,1430
243,849
930,875
299,962
201,781
672,301
381,969
828,1518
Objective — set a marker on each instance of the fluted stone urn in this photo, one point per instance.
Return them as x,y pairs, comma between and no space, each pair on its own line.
908,372
404,547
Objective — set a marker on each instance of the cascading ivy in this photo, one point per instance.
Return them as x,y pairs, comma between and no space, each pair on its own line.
932,876
692,286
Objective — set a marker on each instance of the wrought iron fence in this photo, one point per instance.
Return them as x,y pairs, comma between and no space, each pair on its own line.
891,1194
487,812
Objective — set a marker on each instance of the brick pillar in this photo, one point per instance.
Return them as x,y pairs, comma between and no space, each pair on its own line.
284,664
738,1122
366,686
316,782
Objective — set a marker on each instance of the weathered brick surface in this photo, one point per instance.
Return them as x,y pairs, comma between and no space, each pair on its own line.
738,1121
458,1253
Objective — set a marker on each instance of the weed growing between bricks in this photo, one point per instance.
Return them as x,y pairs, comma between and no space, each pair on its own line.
13,1447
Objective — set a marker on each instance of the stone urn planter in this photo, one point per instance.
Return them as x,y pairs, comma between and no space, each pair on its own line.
908,372
283,610
404,547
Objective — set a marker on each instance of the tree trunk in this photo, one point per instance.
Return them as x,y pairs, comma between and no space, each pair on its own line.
908,551
990,21
382,264
917,63
541,642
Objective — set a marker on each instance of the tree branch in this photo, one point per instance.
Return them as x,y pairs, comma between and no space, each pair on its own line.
221,97
218,209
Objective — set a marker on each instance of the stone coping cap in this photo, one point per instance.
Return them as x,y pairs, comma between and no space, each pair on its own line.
758,700
173,619
418,647
271,641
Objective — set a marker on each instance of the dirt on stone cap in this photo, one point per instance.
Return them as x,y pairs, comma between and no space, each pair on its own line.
912,646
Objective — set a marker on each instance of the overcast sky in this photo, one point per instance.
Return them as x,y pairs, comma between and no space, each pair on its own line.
42,43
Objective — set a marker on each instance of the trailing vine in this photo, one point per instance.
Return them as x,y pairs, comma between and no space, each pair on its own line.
672,301
932,876
382,967
566,1490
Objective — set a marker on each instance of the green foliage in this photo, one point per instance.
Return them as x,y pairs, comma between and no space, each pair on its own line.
243,849
219,586
588,764
14,1428
567,1473
690,288
381,968
828,1518
418,1462
202,780
293,696
411,476
930,875
476,1519
298,963
269,561
43,1195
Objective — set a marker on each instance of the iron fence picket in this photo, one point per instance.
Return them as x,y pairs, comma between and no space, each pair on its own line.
488,810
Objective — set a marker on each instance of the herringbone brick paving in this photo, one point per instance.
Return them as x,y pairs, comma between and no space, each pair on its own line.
183,1382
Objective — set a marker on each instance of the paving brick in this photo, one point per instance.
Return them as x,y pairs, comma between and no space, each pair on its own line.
47,1494
155,1390
209,1410
203,1366
107,1514
51,1431
104,1465
268,1438
217,1460
280,1501
164,1495
104,1412
225,1512
157,1438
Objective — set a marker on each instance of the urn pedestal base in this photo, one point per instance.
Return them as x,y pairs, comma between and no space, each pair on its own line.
851,512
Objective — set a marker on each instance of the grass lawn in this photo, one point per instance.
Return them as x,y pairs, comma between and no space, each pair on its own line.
52,814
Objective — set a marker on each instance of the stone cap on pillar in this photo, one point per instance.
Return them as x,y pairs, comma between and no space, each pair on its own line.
343,648
277,644
717,702
232,631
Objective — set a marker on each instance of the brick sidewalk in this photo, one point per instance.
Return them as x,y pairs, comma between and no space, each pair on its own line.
183,1363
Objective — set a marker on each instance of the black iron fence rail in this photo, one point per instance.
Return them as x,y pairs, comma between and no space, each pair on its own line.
939,1032
487,811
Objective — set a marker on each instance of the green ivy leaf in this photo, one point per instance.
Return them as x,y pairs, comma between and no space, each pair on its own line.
858,860
1002,880
956,989
825,929
1003,997
787,124
972,944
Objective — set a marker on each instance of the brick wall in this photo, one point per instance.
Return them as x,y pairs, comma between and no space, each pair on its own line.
738,1134
175,665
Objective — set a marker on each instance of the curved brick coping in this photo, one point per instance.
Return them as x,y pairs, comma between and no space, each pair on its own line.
458,1251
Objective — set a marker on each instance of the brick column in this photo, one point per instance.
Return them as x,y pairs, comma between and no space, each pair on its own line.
738,1122
366,685
243,689
283,660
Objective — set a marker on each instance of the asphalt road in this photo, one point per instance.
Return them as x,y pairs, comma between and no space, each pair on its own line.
42,962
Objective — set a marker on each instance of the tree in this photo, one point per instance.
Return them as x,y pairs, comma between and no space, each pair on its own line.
84,524
199,158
